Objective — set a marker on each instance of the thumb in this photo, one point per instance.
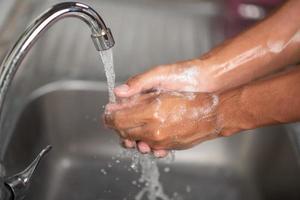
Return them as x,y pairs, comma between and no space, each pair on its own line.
142,82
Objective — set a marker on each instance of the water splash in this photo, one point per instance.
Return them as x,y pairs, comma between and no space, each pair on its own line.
147,164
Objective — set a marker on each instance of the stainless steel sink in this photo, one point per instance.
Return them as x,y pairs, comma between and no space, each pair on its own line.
258,165
57,99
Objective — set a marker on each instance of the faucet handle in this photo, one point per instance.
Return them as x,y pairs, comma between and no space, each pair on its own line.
20,182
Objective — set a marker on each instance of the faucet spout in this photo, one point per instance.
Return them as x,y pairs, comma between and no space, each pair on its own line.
100,34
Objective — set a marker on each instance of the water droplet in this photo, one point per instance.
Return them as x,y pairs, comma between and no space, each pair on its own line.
167,169
188,189
103,171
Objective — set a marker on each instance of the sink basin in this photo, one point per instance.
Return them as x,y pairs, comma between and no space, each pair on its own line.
257,165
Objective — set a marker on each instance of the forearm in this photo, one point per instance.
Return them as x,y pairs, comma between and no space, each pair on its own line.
272,101
270,45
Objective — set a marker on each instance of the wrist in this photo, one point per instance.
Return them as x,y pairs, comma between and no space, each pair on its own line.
232,114
206,81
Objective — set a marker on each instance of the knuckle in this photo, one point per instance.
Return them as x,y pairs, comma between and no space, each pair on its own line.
118,123
108,119
134,79
120,119
122,134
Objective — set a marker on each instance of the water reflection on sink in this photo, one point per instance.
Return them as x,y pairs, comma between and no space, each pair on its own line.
257,165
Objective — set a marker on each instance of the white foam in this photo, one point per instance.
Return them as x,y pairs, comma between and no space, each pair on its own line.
275,47
280,45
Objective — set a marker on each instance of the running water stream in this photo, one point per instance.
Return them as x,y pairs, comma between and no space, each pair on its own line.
146,164
108,62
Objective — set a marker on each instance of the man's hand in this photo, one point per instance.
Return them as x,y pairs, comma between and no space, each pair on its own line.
165,121
171,120
186,76
252,54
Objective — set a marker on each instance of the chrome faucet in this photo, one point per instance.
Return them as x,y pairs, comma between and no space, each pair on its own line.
14,187
101,36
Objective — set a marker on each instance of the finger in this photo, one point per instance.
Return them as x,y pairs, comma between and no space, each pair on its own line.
136,100
160,153
141,82
140,133
108,120
122,134
111,107
132,117
132,102
127,121
143,147
128,143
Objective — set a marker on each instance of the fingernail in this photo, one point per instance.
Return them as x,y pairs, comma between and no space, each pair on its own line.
129,143
121,88
143,147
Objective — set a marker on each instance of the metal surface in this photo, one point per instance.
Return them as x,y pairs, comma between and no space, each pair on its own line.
15,187
257,165
101,36
19,183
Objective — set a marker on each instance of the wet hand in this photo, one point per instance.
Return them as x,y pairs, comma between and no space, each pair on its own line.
164,121
186,76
